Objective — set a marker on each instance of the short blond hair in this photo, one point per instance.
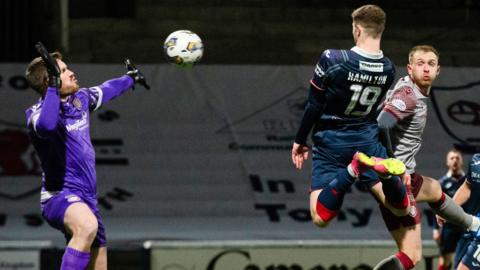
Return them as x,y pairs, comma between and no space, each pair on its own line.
423,48
372,18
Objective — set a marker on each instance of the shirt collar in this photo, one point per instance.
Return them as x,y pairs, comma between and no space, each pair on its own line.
378,55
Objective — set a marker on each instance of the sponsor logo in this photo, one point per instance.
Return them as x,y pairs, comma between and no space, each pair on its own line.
72,198
413,211
319,71
399,104
327,53
79,124
369,66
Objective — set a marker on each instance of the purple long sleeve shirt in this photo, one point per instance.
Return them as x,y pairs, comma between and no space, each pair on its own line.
59,131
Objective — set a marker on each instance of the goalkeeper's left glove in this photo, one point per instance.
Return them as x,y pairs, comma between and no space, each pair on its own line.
136,75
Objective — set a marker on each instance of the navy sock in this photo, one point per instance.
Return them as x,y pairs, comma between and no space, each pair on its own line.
395,192
332,195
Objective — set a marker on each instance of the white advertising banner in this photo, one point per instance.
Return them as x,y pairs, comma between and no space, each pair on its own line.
278,256
205,155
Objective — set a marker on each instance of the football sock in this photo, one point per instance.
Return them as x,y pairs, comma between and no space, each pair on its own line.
399,261
74,259
331,198
443,267
390,263
395,192
452,212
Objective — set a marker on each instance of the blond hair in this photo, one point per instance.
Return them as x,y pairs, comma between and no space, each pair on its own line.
422,48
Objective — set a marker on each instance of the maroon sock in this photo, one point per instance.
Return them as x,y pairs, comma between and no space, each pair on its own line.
404,260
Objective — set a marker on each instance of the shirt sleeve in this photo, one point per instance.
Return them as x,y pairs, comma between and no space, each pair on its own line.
319,79
402,103
473,171
43,119
101,94
313,111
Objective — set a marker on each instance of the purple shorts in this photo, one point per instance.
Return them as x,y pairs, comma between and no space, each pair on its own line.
53,211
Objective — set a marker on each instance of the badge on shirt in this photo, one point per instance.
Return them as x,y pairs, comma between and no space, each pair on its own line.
399,104
77,103
72,198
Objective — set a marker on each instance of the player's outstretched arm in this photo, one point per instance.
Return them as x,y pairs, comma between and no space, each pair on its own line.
116,87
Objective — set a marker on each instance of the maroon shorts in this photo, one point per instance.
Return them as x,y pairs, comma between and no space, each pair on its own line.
394,222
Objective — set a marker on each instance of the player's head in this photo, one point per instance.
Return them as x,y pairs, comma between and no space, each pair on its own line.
37,76
454,160
368,20
423,66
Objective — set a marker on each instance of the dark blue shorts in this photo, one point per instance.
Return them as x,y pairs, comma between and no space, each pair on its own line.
53,211
449,237
328,162
467,252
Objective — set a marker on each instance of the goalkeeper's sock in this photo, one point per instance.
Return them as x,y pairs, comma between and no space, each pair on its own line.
74,259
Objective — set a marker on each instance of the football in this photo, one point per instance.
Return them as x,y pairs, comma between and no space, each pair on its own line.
183,48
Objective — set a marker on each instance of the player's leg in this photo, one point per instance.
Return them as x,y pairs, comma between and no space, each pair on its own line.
397,209
70,214
406,232
334,171
445,261
316,219
82,225
409,243
462,266
443,205
98,260
449,238
461,250
391,193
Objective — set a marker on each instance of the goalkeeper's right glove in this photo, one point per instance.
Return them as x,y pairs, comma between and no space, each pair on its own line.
51,64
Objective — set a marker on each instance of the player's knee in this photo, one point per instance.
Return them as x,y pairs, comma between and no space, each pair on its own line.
87,229
318,221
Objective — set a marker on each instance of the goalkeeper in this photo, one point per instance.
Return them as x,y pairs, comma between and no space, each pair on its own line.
58,126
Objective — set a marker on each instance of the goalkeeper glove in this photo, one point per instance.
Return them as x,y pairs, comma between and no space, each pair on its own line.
52,66
136,75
